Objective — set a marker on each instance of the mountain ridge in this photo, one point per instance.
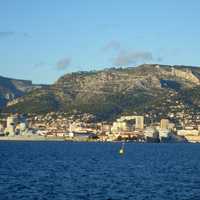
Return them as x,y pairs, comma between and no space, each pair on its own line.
114,91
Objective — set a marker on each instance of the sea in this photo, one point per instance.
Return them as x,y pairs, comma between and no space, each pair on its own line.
96,171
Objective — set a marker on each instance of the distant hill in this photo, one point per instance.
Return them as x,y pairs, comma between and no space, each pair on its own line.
107,93
11,89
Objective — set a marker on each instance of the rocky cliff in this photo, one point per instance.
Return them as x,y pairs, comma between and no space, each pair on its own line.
11,89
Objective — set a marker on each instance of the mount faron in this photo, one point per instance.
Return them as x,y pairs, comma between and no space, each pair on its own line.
146,89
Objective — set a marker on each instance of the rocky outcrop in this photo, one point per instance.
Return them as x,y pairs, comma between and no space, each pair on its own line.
186,74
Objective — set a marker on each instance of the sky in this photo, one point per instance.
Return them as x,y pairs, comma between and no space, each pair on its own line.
41,40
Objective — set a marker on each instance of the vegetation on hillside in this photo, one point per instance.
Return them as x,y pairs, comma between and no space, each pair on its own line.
109,93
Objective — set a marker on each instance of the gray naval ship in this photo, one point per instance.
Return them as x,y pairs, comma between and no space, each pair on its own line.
152,135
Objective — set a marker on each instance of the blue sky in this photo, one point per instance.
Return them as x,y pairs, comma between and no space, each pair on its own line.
41,40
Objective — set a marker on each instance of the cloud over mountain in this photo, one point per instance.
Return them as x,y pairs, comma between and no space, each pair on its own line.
132,57
124,57
63,63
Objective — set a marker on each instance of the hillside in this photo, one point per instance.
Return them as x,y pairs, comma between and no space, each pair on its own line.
107,93
12,88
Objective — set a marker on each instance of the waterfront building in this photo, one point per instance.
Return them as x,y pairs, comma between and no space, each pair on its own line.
22,126
128,123
151,134
105,128
11,125
119,126
164,124
1,128
71,134
188,132
139,122
164,134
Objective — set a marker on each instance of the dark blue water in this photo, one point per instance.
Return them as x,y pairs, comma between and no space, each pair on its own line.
59,170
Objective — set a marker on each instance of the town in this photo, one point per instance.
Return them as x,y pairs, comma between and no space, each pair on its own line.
84,127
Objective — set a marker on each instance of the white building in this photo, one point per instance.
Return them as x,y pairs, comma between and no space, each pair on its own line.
151,132
164,133
11,125
188,132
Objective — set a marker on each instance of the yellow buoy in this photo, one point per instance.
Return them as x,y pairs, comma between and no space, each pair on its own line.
121,151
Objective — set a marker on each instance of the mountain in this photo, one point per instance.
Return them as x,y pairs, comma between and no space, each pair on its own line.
11,89
144,89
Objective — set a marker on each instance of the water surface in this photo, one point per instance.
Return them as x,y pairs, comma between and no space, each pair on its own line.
62,170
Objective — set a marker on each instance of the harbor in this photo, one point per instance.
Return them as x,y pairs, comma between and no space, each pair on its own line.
124,128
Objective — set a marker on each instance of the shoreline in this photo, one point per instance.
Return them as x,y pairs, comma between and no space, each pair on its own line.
31,138
58,139
46,139
65,139
54,139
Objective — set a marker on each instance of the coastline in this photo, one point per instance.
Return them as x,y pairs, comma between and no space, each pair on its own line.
43,139
190,139
31,138
58,139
